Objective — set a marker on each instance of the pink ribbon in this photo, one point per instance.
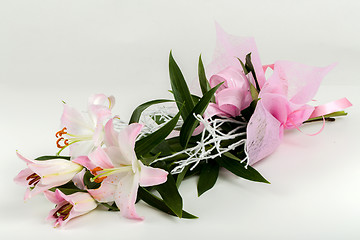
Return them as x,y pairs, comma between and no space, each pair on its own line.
331,107
311,134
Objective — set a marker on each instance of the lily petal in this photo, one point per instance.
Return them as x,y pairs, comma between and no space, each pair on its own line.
152,176
106,192
111,136
100,158
126,193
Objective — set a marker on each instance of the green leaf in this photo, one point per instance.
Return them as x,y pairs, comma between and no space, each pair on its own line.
137,112
158,203
171,195
234,165
112,207
44,158
327,117
208,176
146,144
67,189
181,176
180,89
243,66
204,83
253,91
190,122
87,181
250,67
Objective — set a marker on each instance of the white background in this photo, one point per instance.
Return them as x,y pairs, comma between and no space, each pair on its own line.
67,50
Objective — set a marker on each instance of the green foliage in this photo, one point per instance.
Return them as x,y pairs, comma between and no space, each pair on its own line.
146,144
88,181
67,189
180,89
44,158
137,112
158,203
208,176
237,167
204,83
171,195
191,122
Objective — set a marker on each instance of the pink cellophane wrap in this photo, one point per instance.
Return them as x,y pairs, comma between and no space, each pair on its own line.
228,49
282,105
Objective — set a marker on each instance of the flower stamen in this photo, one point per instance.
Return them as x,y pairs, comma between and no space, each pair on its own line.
94,172
61,132
66,142
34,179
63,212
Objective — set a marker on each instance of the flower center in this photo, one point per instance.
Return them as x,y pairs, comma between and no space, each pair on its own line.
61,139
63,212
62,142
101,174
33,179
95,173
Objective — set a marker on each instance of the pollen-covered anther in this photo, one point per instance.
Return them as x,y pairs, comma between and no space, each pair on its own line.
63,212
34,179
61,132
94,172
65,141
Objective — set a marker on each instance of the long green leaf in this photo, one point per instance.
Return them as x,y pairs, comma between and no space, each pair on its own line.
44,158
234,165
180,89
67,189
204,83
253,91
146,144
190,122
208,176
181,176
250,67
171,195
137,112
158,203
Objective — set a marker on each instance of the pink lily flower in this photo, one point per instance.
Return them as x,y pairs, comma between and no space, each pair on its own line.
282,105
85,132
69,206
119,171
40,176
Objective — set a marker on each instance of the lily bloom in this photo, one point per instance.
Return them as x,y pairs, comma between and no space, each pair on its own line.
119,171
282,105
69,206
40,176
84,132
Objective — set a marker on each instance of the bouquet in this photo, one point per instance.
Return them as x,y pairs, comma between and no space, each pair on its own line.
238,120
